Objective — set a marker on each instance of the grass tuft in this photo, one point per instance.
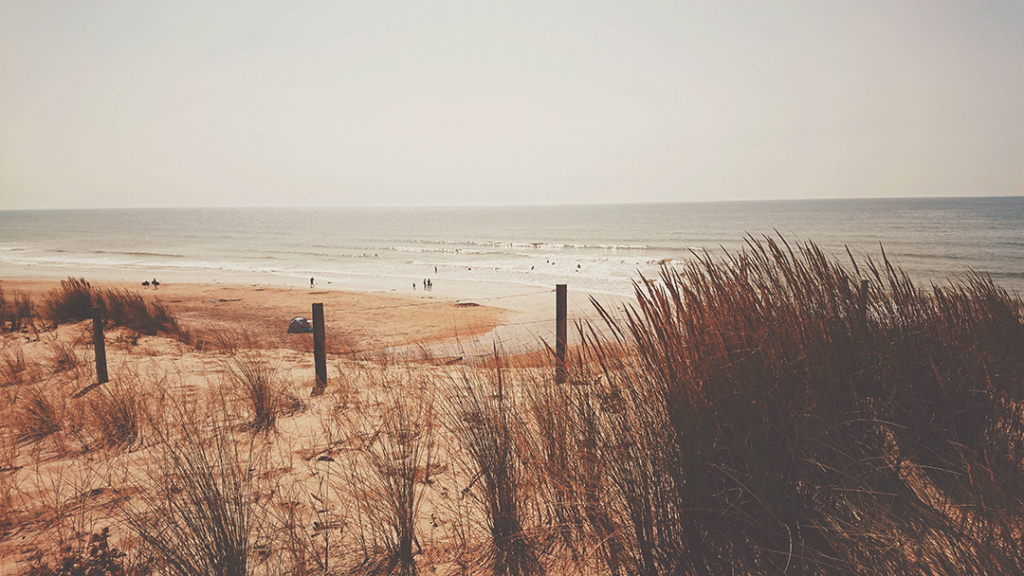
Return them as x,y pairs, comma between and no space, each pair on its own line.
198,512
264,391
389,475
17,313
484,416
37,417
72,302
114,411
13,365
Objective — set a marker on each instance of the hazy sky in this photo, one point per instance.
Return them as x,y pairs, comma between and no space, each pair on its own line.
138,104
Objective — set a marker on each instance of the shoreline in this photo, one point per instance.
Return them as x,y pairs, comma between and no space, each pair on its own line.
459,315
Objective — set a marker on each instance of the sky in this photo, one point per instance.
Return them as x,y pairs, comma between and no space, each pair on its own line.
173,104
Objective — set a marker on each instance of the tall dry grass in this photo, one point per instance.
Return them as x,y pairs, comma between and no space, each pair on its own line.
127,308
263,390
37,415
13,366
74,299
17,312
774,411
482,412
8,481
198,511
388,473
115,413
777,412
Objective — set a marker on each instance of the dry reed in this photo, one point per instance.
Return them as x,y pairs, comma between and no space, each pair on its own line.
198,512
777,412
483,414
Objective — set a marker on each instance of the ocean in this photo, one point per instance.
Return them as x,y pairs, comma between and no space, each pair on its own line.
593,248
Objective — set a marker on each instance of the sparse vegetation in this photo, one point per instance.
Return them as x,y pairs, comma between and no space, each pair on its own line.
63,353
264,390
198,510
388,475
13,366
483,415
8,483
95,557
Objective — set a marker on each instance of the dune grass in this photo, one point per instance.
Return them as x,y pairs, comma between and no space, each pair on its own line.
388,474
482,413
198,512
261,389
16,312
74,299
13,365
777,412
37,416
115,414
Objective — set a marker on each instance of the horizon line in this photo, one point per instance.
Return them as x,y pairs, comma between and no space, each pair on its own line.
553,205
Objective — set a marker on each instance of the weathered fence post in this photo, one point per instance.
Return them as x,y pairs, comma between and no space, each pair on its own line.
97,342
319,349
561,318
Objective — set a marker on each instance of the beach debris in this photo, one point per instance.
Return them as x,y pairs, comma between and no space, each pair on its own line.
299,325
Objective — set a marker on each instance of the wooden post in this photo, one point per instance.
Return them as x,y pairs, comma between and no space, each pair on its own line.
319,349
561,318
97,342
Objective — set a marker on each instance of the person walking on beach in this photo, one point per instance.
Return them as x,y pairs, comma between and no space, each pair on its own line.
311,282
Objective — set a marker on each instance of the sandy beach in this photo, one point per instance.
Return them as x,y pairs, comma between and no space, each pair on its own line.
457,316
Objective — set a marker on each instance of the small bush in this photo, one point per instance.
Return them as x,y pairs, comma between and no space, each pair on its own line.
16,313
72,302
37,417
115,412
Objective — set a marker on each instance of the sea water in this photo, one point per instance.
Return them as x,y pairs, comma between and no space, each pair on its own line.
595,248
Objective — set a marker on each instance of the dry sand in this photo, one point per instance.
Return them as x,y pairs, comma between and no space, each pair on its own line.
513,317
365,320
56,484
